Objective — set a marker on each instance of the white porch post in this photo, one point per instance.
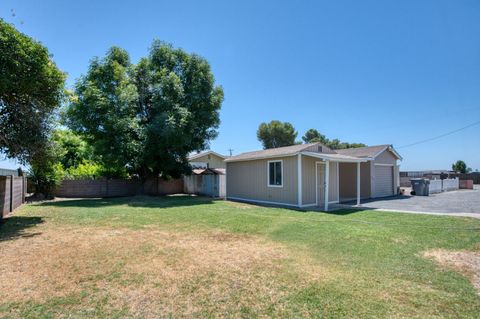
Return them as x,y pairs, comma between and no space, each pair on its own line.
299,174
327,182
358,184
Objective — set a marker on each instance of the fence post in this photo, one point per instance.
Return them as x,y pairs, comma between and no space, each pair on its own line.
11,193
106,187
23,189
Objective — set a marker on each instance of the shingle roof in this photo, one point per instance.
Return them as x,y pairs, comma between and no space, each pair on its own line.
271,152
346,154
367,151
216,171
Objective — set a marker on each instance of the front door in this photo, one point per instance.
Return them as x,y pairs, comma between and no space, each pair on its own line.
320,183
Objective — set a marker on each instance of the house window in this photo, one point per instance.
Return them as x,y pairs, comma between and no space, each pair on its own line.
275,170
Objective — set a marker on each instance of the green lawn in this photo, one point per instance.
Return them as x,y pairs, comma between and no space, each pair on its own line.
193,257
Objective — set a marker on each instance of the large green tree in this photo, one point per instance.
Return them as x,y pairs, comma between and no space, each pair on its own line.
31,88
147,117
312,136
276,134
105,111
461,167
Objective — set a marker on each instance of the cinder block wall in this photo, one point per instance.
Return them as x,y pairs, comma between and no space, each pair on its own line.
117,187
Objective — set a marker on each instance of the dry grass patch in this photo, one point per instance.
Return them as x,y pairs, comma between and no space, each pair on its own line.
240,205
152,272
465,262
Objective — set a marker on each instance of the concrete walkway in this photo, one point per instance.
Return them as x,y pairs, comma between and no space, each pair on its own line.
464,203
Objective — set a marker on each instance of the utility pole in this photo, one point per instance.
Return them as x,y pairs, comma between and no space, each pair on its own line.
230,151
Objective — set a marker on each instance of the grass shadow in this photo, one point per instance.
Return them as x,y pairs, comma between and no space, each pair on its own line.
134,201
343,212
16,226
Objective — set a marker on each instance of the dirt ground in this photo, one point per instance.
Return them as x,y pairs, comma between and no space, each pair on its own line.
465,262
150,269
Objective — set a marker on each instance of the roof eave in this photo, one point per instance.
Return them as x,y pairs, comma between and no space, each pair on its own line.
195,156
394,151
230,160
325,156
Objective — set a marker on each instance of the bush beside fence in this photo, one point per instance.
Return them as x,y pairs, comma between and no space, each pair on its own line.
12,193
118,187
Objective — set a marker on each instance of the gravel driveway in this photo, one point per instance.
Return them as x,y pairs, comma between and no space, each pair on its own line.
457,203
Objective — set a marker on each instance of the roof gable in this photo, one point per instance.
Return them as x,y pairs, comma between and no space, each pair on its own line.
199,155
369,151
274,152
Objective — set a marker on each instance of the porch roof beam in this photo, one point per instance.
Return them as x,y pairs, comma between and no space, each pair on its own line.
337,157
358,184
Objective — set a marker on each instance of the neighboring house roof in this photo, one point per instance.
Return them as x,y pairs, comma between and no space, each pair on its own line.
195,156
271,152
206,171
368,151
360,154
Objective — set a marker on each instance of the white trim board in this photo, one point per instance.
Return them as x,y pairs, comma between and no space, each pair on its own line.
299,180
381,164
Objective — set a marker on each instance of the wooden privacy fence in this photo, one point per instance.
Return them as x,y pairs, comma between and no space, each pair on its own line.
118,187
12,193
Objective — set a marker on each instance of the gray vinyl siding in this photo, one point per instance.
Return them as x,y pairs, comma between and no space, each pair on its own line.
213,162
248,180
386,157
308,180
333,180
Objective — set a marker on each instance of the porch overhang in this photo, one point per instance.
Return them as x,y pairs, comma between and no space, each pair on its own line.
337,157
327,158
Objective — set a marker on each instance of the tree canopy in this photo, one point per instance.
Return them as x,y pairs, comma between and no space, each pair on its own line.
147,117
312,136
276,134
31,88
71,149
461,167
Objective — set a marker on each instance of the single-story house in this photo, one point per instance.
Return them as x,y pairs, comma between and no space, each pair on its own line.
308,175
208,159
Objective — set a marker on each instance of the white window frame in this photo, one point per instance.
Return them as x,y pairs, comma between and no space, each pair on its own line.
268,173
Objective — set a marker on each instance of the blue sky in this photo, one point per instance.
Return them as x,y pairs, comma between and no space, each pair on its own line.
377,72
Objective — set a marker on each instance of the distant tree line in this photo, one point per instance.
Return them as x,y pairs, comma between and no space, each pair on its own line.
461,167
278,134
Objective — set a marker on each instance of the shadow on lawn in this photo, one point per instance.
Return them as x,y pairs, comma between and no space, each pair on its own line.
342,212
16,226
133,201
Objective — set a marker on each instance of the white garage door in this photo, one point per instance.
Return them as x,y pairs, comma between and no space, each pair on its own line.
383,181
